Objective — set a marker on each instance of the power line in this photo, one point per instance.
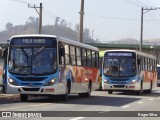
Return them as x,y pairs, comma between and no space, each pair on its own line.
142,3
22,2
49,13
158,12
156,17
153,20
156,23
116,18
132,3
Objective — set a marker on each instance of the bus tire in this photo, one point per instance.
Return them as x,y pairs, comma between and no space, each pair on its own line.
110,91
23,97
65,96
151,87
139,92
4,89
88,93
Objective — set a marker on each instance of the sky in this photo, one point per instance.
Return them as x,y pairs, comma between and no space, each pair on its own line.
107,20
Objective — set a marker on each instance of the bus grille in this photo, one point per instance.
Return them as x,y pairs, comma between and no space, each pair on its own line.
31,89
119,82
118,79
118,86
31,78
33,84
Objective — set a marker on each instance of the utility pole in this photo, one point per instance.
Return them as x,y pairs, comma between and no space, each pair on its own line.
142,13
40,15
81,22
141,38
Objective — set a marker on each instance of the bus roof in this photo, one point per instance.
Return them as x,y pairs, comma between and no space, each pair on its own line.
76,43
137,52
68,41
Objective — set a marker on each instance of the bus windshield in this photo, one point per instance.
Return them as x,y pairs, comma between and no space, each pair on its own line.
32,60
119,67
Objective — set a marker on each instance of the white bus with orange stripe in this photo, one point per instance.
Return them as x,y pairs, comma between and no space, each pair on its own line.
128,70
50,65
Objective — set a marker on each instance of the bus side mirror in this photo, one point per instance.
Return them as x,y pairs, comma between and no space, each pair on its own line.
138,61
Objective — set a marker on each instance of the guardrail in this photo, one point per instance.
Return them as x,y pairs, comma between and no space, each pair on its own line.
132,45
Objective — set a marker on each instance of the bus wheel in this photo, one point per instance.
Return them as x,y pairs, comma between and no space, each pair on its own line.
88,93
110,91
139,92
4,89
24,97
150,90
65,96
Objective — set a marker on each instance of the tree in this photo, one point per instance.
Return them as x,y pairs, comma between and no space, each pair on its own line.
9,26
77,27
57,20
87,33
63,23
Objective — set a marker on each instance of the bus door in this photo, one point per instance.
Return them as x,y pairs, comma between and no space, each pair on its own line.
2,61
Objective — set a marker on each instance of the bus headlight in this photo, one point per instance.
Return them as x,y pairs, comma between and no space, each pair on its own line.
133,81
107,81
49,83
12,82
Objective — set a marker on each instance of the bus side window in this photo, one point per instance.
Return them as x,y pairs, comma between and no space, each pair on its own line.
84,57
138,61
61,54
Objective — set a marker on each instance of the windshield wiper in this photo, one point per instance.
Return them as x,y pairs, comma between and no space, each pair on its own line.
24,52
39,51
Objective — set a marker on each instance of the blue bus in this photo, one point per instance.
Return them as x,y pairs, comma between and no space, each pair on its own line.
158,75
49,65
128,70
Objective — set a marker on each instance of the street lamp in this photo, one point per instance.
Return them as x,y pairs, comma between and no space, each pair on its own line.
142,13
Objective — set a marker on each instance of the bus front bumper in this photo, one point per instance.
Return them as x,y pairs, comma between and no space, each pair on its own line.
33,90
119,87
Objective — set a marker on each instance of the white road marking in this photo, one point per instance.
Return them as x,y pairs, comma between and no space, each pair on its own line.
151,99
139,102
125,106
104,111
77,118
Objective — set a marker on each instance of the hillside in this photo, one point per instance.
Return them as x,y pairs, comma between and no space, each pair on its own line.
60,28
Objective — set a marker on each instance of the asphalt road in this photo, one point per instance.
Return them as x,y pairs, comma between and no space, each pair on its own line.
99,106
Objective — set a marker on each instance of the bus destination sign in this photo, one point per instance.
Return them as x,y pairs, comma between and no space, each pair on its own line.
120,54
34,41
